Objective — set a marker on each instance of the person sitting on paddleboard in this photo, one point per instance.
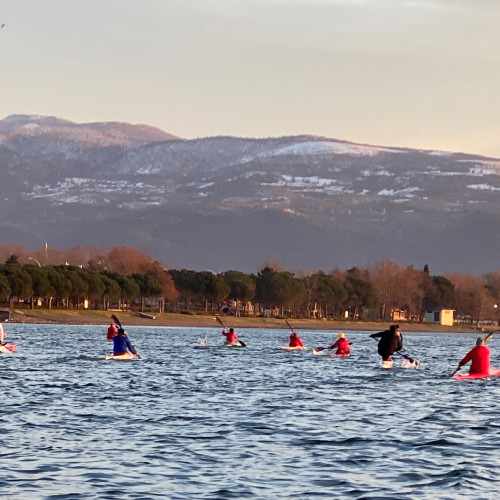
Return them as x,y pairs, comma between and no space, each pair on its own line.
480,357
342,345
121,344
295,340
231,337
390,341
112,331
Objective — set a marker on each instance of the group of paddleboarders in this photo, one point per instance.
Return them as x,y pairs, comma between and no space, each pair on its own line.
121,343
391,341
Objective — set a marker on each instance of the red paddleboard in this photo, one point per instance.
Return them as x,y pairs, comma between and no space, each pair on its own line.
468,376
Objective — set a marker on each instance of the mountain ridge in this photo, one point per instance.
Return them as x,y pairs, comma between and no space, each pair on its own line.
226,202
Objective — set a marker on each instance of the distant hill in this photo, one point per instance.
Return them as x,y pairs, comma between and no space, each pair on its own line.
223,203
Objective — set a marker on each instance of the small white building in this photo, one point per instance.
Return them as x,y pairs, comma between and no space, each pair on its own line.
440,317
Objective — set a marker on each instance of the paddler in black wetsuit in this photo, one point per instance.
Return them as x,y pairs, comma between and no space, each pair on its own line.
390,341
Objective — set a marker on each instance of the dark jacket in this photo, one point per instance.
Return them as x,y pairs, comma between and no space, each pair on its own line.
390,342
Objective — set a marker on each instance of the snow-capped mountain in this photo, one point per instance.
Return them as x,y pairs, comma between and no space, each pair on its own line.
224,203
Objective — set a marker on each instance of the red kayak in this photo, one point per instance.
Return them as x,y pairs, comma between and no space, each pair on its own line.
469,376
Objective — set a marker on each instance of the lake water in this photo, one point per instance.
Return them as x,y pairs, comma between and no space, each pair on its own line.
258,422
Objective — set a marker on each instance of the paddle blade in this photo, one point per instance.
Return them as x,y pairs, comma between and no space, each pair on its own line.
488,337
116,320
242,343
220,321
289,325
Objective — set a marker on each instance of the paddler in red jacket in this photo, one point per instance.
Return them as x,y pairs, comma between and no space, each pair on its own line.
480,357
342,345
295,340
231,337
112,331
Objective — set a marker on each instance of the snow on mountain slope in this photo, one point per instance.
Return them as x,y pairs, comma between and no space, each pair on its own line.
65,182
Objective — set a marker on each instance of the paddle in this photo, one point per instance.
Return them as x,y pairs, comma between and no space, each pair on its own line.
411,360
224,326
117,321
485,340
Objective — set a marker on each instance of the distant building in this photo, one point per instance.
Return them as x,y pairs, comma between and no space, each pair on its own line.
399,315
440,317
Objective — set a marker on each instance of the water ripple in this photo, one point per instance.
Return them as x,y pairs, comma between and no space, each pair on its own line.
260,423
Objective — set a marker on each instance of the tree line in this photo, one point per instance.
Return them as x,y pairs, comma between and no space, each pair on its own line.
126,278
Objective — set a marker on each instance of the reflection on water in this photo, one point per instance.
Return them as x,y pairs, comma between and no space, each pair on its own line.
194,421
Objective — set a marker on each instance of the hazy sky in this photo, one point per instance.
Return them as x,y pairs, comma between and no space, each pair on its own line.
416,73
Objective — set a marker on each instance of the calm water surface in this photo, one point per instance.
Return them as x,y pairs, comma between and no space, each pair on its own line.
189,423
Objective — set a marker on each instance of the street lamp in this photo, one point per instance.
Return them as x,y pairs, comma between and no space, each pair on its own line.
31,258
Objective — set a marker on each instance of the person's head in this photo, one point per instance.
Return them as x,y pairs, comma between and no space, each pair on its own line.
121,332
294,334
480,341
231,330
341,335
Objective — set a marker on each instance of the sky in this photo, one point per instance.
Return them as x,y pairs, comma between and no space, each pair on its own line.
408,73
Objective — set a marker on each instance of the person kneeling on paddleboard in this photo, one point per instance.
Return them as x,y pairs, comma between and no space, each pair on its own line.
231,337
480,357
121,344
295,340
342,345
390,341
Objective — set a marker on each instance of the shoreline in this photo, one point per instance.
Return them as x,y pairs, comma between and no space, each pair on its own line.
128,318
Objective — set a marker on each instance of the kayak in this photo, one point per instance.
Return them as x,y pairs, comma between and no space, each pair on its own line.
233,345
473,376
339,355
8,347
298,348
218,346
121,357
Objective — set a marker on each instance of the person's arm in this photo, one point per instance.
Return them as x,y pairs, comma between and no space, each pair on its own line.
400,343
376,335
130,347
466,359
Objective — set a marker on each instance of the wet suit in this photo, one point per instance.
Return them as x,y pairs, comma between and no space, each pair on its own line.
390,342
